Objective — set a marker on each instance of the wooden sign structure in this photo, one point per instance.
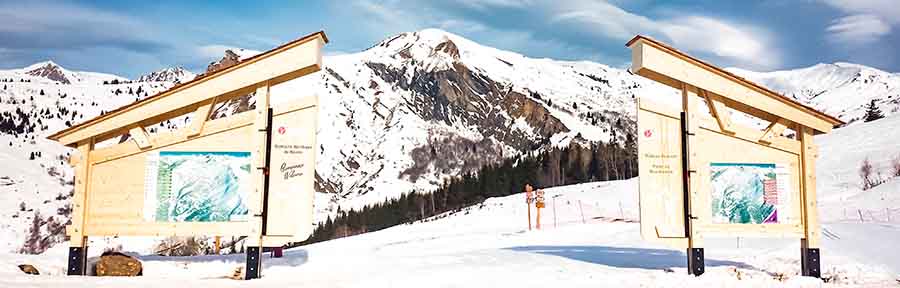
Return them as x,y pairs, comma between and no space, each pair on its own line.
703,173
212,177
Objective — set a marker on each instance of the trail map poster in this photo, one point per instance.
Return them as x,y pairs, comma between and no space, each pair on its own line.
747,193
197,186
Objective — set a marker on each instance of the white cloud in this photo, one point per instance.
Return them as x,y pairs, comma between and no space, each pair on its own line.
867,21
744,44
485,4
858,29
886,10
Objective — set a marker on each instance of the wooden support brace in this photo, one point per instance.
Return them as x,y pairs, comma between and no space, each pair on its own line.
774,130
719,110
140,137
199,118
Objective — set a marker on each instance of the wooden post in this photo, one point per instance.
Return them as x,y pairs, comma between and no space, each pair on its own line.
809,245
538,221
257,208
695,256
528,190
77,260
218,244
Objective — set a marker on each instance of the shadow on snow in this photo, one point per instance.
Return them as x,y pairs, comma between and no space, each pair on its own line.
624,257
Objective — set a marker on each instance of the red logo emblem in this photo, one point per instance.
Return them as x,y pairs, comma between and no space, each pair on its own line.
648,133
281,130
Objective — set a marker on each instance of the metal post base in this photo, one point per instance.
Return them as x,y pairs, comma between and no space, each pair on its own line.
253,263
77,260
809,262
696,265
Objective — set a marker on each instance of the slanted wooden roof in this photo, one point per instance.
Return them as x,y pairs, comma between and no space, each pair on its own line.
263,67
671,74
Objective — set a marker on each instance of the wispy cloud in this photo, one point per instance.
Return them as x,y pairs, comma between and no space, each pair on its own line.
858,29
742,43
868,21
33,25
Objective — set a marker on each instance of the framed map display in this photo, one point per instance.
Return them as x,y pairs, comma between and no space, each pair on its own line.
749,193
197,186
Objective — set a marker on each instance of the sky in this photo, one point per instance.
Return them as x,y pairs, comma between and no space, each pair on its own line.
130,38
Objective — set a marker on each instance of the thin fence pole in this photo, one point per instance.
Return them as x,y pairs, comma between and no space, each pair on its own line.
861,220
554,212
582,212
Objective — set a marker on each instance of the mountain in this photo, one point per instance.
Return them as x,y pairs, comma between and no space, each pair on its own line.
404,115
171,75
839,89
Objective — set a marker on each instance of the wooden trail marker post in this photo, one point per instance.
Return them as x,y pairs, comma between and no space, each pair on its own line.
688,158
128,189
528,200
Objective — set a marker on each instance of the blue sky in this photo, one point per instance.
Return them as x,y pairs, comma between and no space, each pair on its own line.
130,38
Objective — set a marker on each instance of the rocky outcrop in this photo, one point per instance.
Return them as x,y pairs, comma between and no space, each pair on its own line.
50,71
228,60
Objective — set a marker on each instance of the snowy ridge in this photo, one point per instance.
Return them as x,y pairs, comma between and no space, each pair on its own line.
840,89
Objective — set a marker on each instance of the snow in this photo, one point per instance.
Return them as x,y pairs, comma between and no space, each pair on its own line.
488,245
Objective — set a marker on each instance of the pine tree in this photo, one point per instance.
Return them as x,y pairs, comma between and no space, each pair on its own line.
873,112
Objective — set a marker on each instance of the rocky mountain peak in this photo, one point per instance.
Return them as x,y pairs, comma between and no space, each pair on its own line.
50,70
172,74
229,59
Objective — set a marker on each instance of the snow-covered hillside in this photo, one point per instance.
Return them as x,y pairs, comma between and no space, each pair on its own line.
840,89
34,102
592,243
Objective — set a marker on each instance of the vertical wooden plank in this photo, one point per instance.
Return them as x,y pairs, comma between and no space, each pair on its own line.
260,126
808,171
690,105
81,162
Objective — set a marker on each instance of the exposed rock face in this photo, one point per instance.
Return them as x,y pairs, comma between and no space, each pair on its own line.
228,60
173,75
50,71
118,264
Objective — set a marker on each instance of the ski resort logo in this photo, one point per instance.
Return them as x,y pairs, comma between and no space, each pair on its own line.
648,133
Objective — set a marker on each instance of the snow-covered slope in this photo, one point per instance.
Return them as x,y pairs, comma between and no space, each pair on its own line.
34,102
839,89
489,246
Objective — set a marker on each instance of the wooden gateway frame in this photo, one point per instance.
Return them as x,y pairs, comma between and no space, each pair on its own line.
109,181
678,149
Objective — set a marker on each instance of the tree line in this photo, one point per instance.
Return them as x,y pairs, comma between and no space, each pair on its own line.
577,163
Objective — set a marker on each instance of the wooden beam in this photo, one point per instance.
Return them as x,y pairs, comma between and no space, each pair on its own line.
775,129
281,64
166,139
671,67
199,118
140,137
719,111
